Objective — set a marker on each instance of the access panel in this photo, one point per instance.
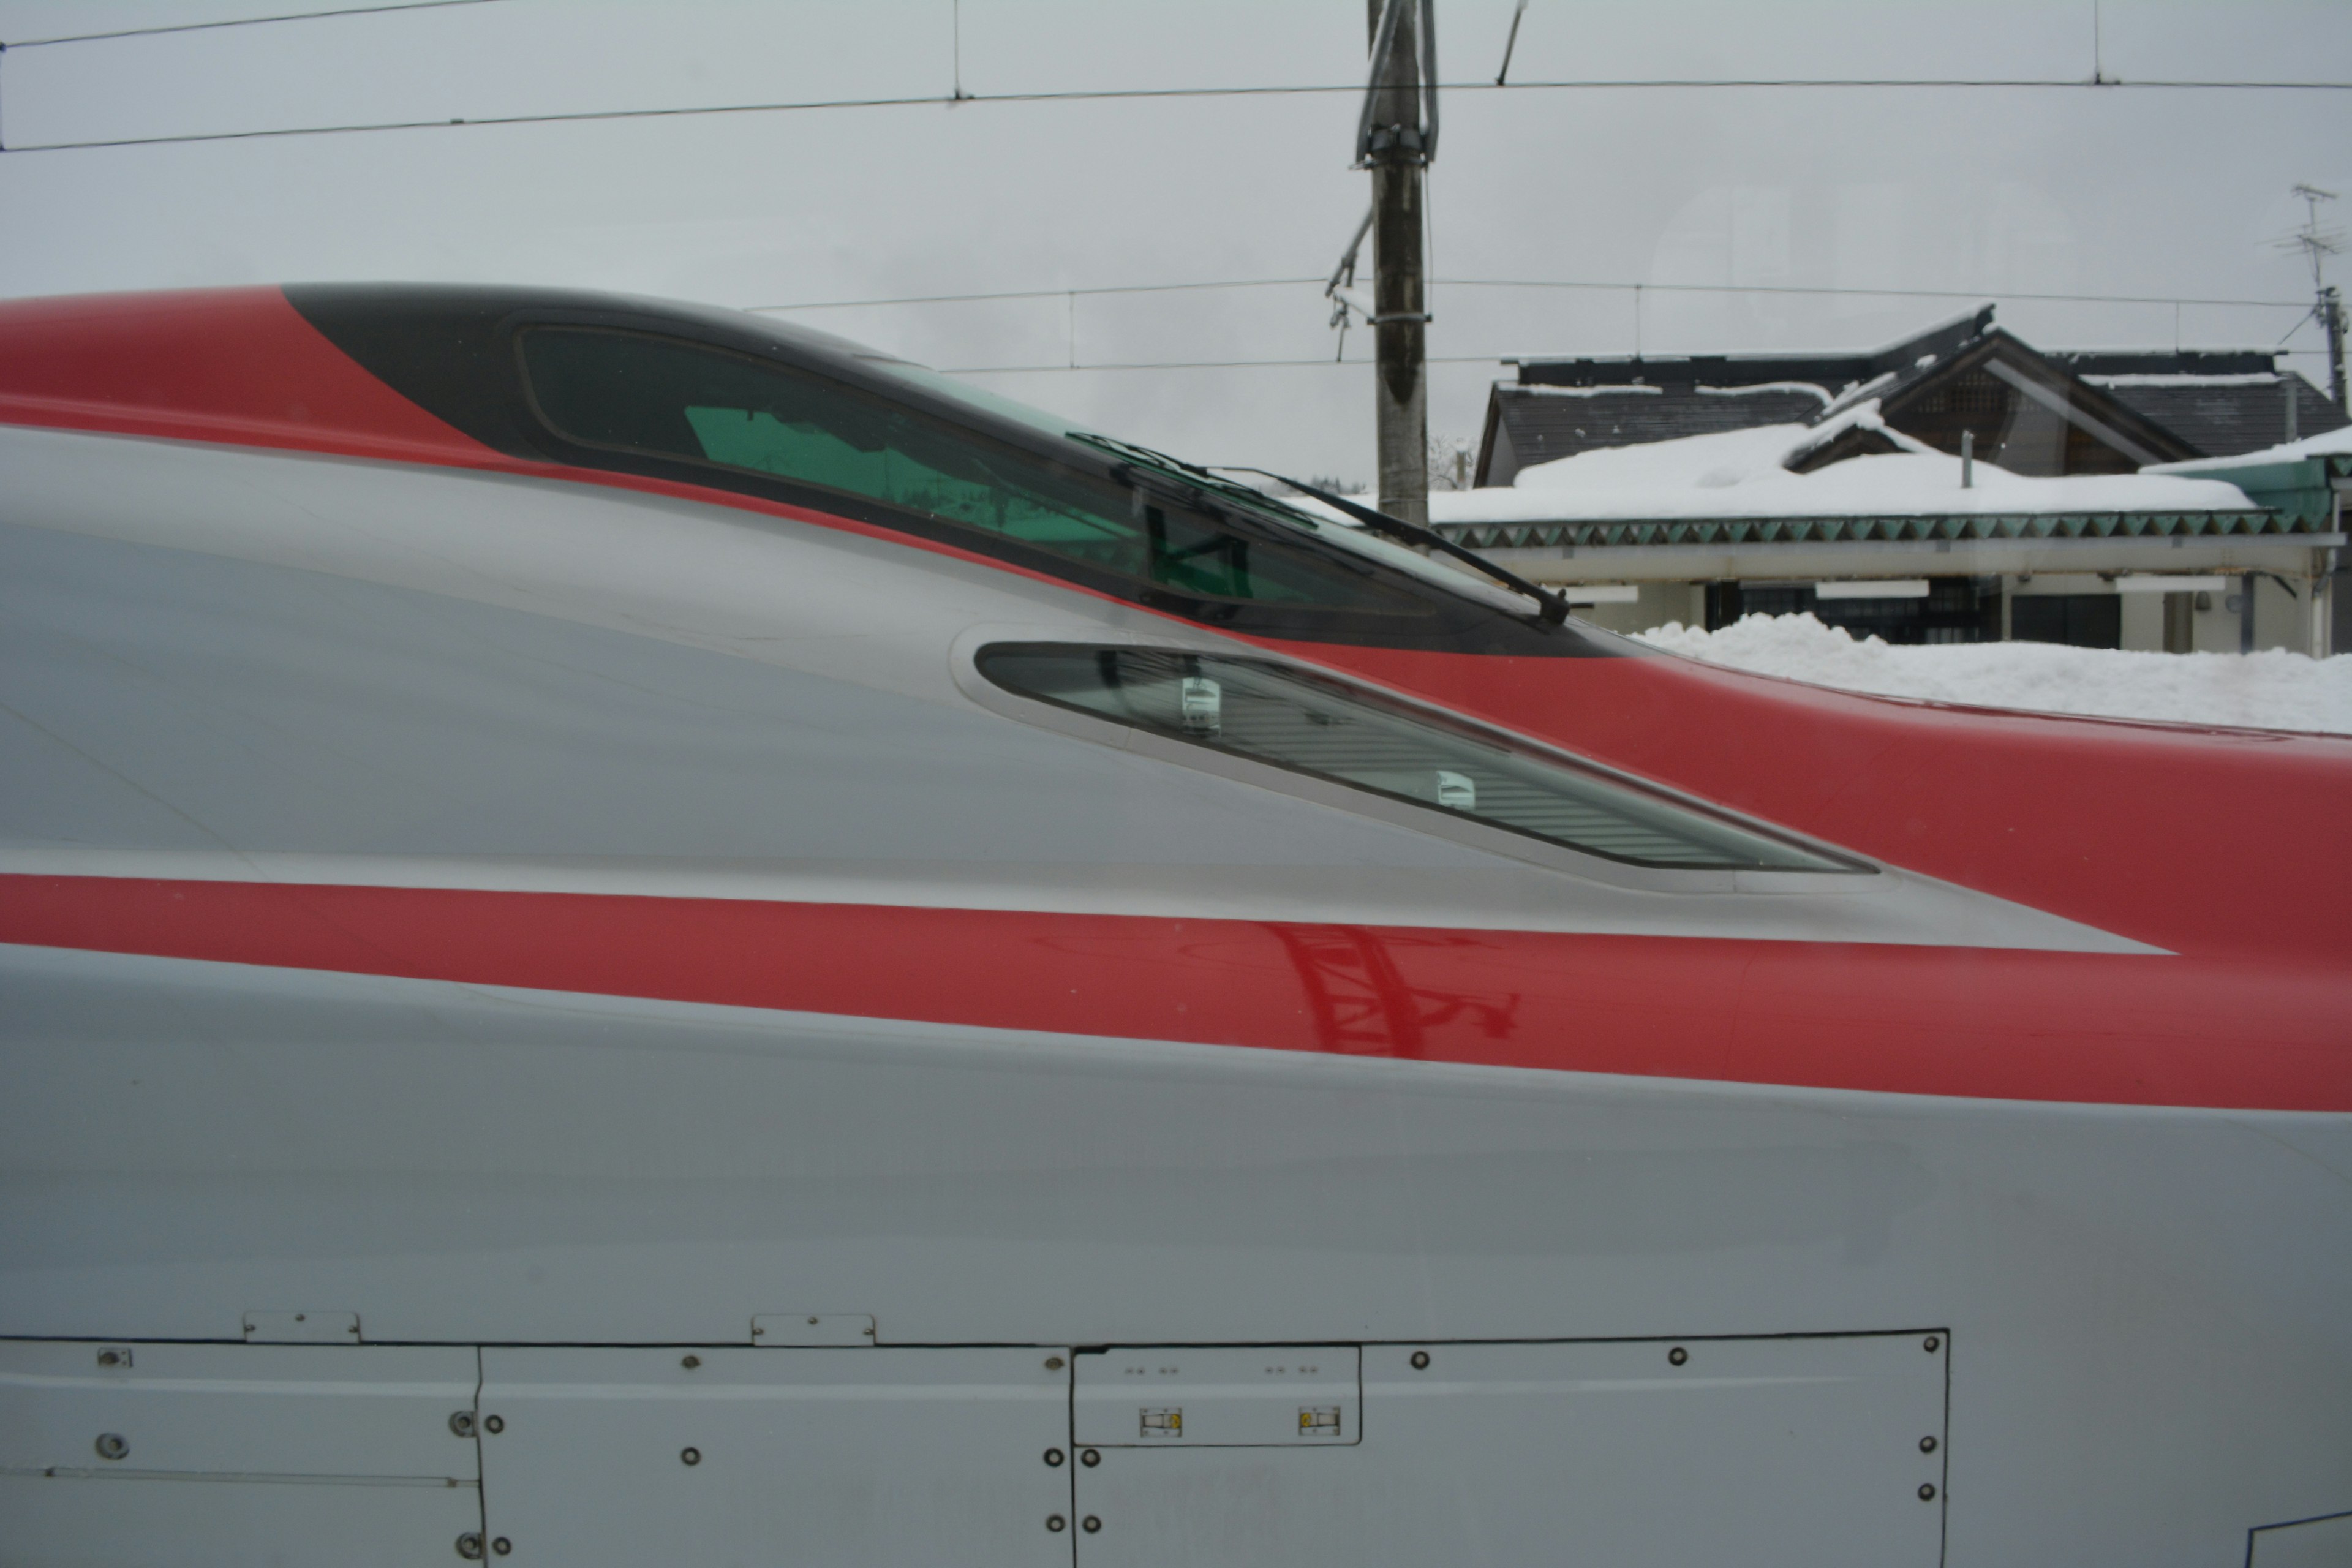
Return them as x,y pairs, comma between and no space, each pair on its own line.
1812,1452
337,1454
813,1458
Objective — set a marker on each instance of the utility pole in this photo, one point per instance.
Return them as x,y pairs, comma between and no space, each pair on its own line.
1395,139
2331,322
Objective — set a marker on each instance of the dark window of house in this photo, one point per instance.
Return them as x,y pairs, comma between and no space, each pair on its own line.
2078,620
1328,729
1953,610
635,392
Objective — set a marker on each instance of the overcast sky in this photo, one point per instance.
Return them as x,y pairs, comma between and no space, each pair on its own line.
1992,192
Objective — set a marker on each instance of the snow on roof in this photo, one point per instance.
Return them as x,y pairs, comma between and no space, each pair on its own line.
2330,444
1756,388
1738,473
1637,390
2185,378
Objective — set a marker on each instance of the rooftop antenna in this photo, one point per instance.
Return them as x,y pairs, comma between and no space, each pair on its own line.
2316,244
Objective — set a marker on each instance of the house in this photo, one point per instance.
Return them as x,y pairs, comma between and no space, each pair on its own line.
2041,414
1959,486
2305,479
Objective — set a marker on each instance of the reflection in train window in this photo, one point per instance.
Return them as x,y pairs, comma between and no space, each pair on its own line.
635,393
1330,729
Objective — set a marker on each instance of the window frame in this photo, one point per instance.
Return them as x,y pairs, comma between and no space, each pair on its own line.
1858,873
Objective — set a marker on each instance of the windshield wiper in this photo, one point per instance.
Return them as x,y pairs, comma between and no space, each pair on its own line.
1192,474
1553,608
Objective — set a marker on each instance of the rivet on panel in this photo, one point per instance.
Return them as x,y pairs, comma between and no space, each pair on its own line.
469,1546
112,1445
1091,1457
503,1546
1420,1360
494,1423
1053,1364
1931,1345
689,1362
1926,1444
1056,1523
461,1423
1054,1457
1927,1491
689,1456
1677,1355
1091,1524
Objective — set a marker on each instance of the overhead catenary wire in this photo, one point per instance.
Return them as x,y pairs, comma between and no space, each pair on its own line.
1199,364
1592,285
1104,94
1037,293
1072,364
242,22
1877,293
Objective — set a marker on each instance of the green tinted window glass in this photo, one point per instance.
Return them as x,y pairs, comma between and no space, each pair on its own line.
657,395
1331,729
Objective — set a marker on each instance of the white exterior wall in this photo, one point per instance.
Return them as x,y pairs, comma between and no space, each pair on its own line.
1659,603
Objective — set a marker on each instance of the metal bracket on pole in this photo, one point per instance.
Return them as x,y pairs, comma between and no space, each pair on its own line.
1419,141
1341,290
1511,42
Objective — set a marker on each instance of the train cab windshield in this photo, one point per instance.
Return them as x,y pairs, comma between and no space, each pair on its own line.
638,392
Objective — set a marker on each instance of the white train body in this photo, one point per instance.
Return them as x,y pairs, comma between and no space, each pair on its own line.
572,1021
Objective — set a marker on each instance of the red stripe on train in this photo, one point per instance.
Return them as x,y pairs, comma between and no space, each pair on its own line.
1940,1020
2212,843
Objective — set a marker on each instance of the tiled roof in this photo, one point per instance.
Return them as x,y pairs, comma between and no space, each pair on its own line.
2223,418
1542,422
2169,403
1561,407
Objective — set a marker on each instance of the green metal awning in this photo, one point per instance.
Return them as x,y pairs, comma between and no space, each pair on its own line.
2252,523
2300,488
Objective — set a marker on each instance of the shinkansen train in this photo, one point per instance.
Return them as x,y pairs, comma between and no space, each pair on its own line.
631,935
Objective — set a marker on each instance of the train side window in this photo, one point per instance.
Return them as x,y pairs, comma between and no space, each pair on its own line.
637,392
1330,729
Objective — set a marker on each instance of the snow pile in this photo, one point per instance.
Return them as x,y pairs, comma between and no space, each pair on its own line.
1738,473
2271,691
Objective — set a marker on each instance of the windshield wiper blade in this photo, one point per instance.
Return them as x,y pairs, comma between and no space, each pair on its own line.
1192,473
1555,608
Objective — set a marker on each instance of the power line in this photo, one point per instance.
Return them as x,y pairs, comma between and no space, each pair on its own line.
1318,363
1663,83
245,22
1874,293
1112,94
1275,364
1039,294
1098,291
